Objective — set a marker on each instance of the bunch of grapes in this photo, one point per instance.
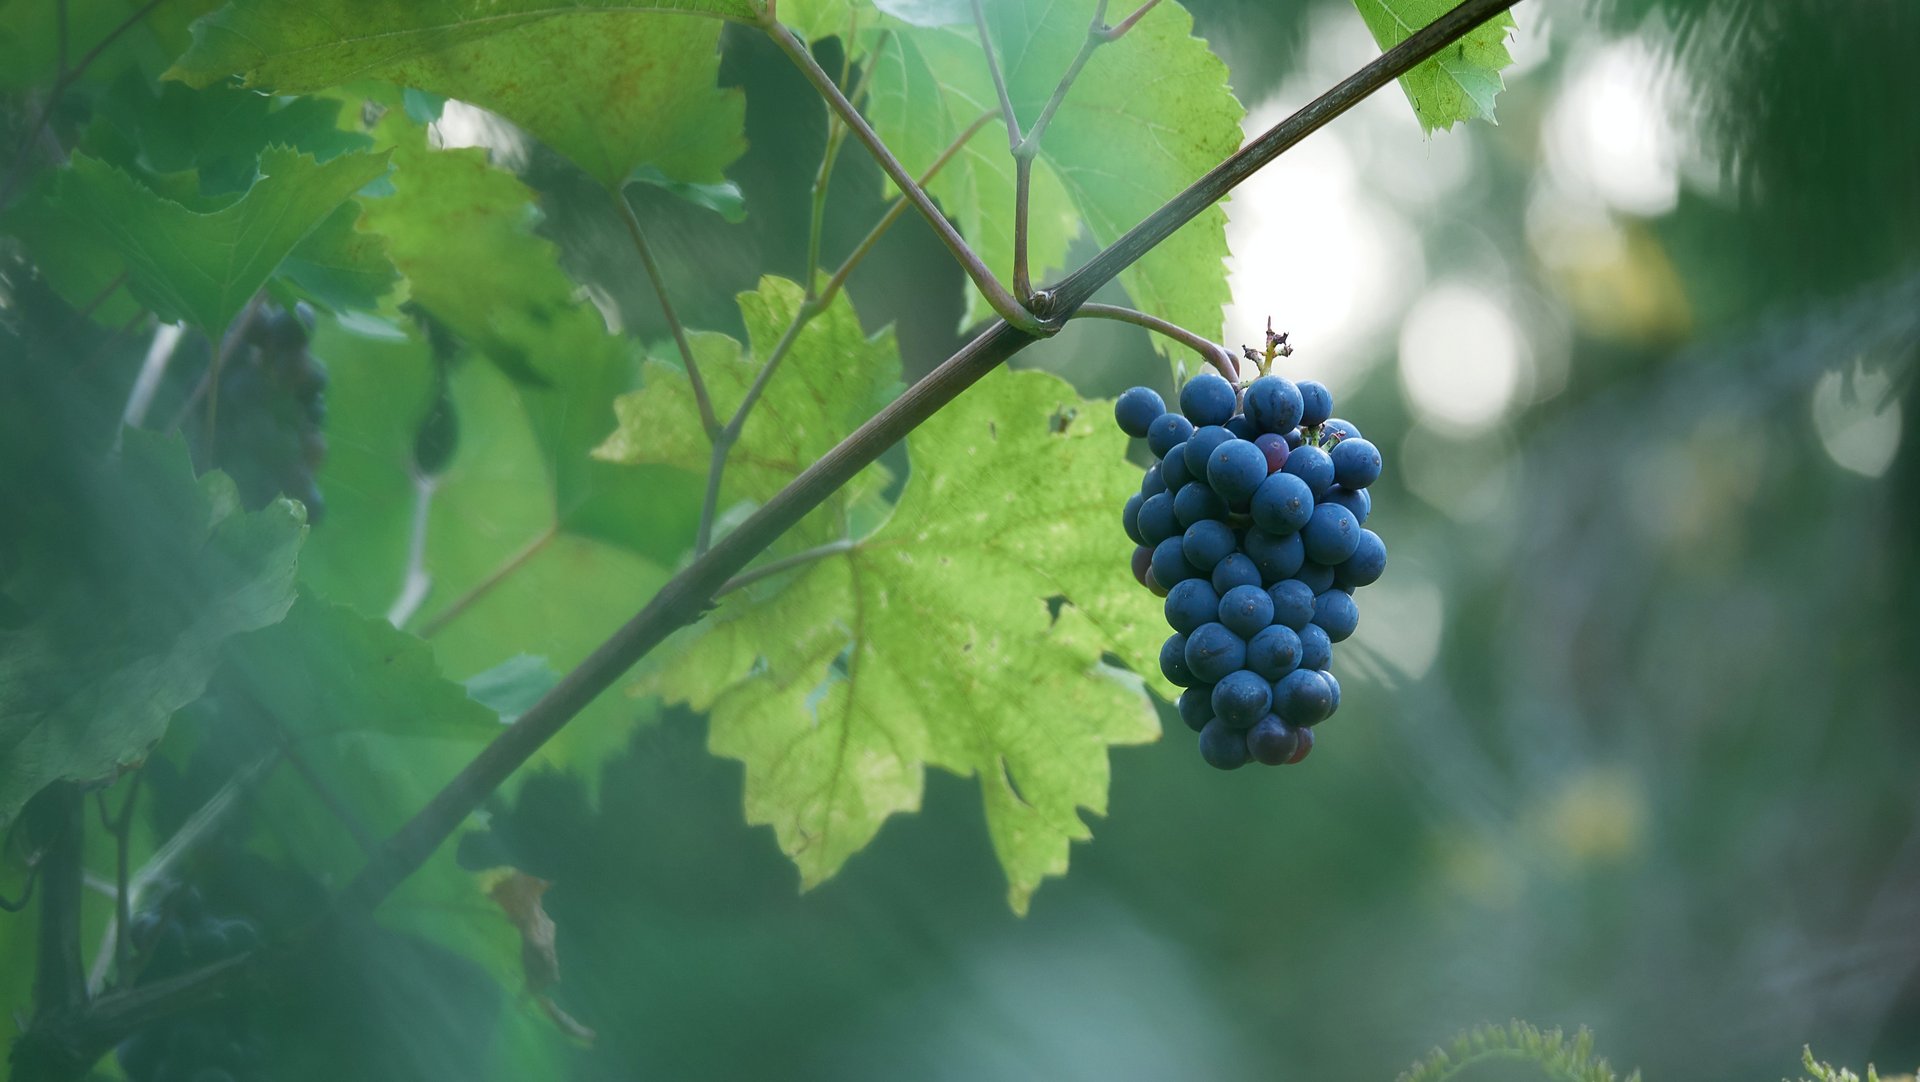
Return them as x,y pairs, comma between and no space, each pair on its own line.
175,936
1252,524
268,431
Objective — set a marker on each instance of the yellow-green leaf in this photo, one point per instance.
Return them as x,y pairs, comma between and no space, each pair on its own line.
1458,84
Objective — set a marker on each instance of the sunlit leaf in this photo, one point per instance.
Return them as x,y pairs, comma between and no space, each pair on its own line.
1458,84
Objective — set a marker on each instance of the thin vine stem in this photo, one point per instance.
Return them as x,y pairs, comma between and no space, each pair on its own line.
1211,352
708,420
1027,146
785,563
686,596
1007,114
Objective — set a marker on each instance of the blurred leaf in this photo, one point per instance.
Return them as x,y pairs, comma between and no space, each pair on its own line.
513,685
126,627
1119,146
204,267
1458,84
833,378
340,265
932,643
30,34
611,89
723,198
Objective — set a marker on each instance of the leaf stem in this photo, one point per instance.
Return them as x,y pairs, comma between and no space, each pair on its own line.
1027,147
1007,114
784,563
1119,29
1211,352
707,419
1003,303
494,578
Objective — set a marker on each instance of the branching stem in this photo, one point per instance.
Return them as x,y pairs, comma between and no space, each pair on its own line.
707,419
1212,353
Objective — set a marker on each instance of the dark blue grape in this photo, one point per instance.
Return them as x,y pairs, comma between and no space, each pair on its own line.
1331,534
1241,428
1273,404
1206,543
1292,603
1136,409
1130,518
1356,463
1275,448
1282,504
1207,399
1173,469
1213,652
1336,614
1295,439
1333,686
1200,448
1246,610
1198,503
1191,603
1236,570
1222,746
1157,519
1317,576
1316,650
1356,501
1168,432
1196,706
1316,403
1173,660
1311,464
1272,741
1301,698
1169,564
1333,428
1151,483
1242,699
1276,557
1274,652
1366,565
1142,565
1235,469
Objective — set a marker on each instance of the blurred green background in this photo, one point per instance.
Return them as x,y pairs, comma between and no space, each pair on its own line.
1633,722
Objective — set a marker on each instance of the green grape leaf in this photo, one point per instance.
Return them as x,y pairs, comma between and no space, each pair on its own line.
833,378
512,686
202,267
341,265
1119,146
125,630
30,37
723,198
1458,84
933,643
611,86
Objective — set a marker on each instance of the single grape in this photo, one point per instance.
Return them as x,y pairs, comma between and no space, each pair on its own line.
1136,409
1336,614
1306,746
1191,603
1173,468
1153,585
1196,706
1272,741
1213,652
1276,557
1200,448
1366,565
1316,403
1206,543
1273,404
1207,399
1292,603
1295,439
1173,661
1157,519
1316,650
1235,469
1334,687
1274,652
1167,432
1301,698
1241,428
1356,463
1336,430
1274,447
1331,534
1198,503
1236,570
1282,504
1169,564
1355,500
1242,699
1223,747
1142,564
1130,518
1317,576
1246,610
1311,464
1151,483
